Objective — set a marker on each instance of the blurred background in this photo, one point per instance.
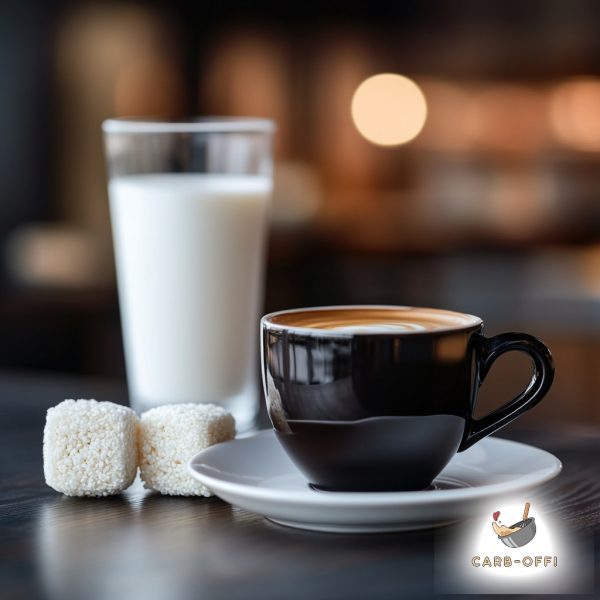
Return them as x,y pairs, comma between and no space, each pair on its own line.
466,177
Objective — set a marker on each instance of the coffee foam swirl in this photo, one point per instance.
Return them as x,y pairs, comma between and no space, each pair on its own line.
357,320
378,327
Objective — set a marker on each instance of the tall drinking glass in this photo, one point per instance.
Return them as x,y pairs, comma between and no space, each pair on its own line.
189,204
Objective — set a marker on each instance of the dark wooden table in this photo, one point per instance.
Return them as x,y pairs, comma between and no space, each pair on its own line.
142,545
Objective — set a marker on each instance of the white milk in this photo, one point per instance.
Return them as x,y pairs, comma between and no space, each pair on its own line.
189,254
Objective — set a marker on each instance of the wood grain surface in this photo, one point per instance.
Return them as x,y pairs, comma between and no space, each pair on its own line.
143,545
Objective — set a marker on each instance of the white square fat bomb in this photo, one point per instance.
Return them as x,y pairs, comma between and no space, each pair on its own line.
90,448
170,435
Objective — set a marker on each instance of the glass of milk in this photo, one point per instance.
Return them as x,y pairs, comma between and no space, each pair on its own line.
189,204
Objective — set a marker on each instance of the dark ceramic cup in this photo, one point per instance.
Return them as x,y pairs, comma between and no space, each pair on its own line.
382,397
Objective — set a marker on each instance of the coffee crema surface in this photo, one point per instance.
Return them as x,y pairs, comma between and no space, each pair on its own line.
374,320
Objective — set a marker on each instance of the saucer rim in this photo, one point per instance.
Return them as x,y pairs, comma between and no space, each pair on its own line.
422,497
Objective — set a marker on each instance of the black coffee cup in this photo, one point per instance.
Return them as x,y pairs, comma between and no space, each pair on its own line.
376,398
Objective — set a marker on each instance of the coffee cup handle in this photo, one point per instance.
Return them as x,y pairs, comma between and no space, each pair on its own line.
487,350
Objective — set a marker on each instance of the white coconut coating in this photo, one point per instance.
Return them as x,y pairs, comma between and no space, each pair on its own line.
90,448
169,435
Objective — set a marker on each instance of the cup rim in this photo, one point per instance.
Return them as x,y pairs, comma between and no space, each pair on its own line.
471,321
189,125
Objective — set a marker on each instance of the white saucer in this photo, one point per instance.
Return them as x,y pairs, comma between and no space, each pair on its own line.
254,473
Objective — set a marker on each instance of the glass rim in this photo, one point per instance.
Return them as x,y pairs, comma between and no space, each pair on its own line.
190,125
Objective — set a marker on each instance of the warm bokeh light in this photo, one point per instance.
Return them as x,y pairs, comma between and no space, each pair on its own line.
575,113
389,109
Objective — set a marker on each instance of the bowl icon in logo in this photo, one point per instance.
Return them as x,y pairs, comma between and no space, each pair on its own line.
519,534
525,534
